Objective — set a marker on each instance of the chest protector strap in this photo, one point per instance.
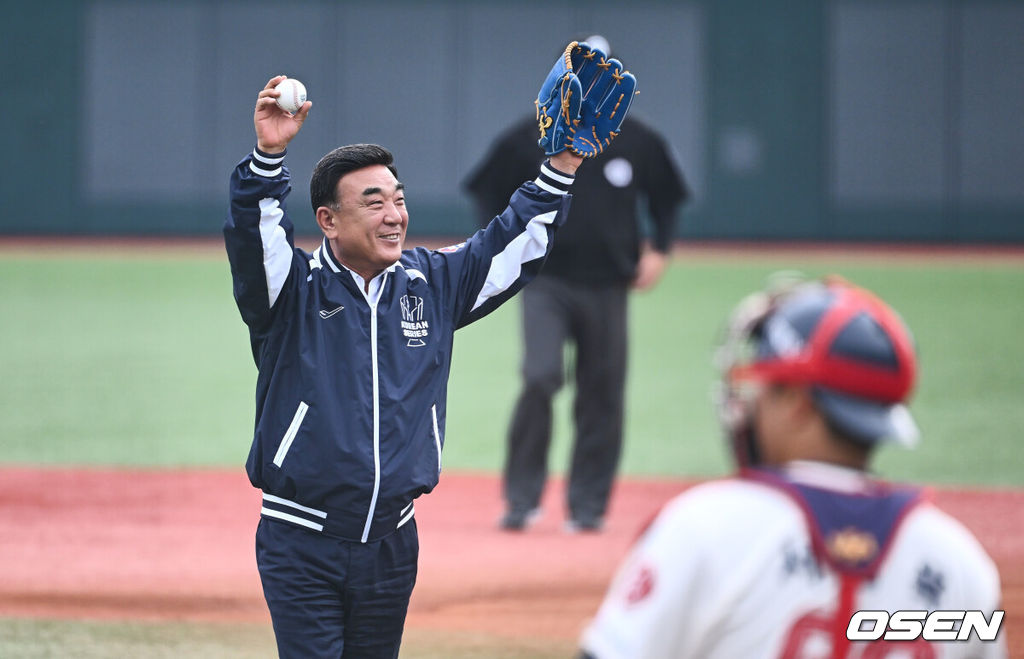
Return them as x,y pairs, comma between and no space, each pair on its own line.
851,532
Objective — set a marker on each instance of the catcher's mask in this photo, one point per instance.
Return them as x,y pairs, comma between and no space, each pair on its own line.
849,347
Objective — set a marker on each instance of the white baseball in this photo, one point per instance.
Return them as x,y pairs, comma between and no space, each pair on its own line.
293,95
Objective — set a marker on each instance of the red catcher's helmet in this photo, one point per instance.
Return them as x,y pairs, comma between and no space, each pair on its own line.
847,345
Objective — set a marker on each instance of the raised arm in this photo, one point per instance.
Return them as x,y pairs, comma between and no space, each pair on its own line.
258,234
275,127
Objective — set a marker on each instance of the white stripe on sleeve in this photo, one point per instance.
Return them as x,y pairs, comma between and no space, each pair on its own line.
551,180
277,253
265,165
561,178
548,188
268,173
507,265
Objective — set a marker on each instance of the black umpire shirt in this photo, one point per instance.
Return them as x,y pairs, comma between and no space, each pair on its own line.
600,243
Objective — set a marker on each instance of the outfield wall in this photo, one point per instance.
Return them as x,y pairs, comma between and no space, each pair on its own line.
842,120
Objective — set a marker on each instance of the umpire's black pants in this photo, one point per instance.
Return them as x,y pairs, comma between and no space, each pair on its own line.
554,312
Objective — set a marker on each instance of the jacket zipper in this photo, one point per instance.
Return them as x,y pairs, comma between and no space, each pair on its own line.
437,436
289,435
376,410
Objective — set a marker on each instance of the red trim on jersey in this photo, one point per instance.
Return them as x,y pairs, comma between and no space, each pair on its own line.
848,587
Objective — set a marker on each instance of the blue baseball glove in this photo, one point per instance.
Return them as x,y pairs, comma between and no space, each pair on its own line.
583,101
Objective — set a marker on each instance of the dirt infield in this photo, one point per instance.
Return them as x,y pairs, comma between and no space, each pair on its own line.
175,544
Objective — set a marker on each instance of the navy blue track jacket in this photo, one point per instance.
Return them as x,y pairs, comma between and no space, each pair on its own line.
350,396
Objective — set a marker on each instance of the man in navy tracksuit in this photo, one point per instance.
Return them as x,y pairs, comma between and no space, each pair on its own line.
353,343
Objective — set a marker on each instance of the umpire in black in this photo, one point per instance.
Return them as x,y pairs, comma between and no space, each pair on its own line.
581,296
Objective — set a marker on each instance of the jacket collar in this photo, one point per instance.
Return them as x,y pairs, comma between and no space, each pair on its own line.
328,257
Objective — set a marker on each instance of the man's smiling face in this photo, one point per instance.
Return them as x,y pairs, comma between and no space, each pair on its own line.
370,220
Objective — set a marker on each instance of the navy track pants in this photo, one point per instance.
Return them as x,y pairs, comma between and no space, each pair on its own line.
336,598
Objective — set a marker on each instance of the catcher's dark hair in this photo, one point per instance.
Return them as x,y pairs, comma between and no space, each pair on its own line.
323,185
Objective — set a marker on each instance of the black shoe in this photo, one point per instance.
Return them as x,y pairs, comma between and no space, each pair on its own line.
518,520
584,525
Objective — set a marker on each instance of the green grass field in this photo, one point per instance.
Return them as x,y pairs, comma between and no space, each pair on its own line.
127,358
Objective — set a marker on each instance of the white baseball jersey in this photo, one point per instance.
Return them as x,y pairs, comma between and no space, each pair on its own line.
728,570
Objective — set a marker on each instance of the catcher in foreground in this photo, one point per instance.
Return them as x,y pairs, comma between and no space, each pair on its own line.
353,343
778,560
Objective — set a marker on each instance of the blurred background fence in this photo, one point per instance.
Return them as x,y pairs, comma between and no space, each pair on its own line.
796,120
